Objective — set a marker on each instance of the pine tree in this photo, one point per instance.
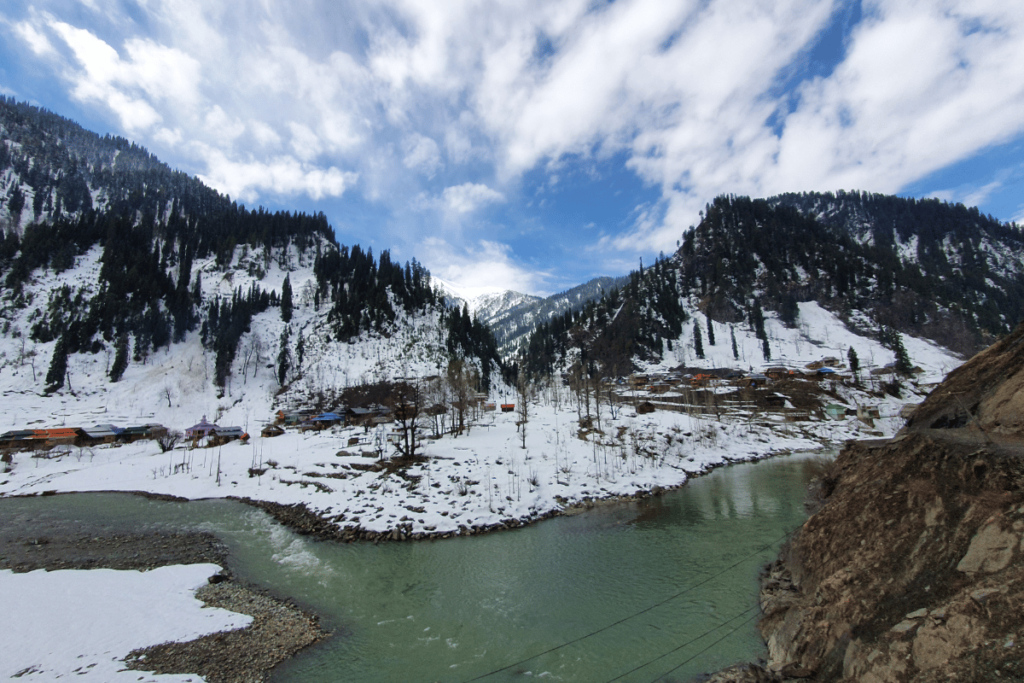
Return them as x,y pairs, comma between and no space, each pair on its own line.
757,321
284,357
789,311
766,349
711,328
120,358
851,355
698,343
735,348
286,299
58,365
904,366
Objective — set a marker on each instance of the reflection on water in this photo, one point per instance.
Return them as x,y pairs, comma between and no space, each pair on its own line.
457,609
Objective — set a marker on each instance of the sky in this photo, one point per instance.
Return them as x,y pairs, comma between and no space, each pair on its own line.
534,144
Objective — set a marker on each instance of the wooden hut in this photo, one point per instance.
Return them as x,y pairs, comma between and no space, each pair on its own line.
270,431
223,435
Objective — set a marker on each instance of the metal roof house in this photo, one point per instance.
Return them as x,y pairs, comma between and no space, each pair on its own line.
200,430
100,434
222,435
146,431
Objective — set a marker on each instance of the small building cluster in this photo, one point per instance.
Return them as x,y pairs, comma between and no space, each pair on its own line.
39,439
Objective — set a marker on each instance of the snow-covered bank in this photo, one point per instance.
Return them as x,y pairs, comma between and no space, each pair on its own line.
82,623
488,475
478,479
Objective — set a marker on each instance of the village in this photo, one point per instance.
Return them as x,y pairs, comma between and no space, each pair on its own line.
821,390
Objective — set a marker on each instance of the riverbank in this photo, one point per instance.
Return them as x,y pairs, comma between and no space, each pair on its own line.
911,568
278,629
412,611
481,480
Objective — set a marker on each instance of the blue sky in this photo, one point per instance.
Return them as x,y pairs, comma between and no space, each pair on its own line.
534,144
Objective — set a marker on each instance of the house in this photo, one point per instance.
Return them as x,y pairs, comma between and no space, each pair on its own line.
18,438
100,434
270,431
754,381
490,407
223,435
508,407
826,373
644,408
60,436
775,401
359,416
294,417
201,430
778,372
868,414
835,411
146,431
327,419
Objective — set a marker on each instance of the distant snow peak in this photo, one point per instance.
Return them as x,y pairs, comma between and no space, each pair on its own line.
481,300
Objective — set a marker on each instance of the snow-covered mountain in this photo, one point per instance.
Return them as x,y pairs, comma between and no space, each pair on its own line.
884,267
511,316
132,290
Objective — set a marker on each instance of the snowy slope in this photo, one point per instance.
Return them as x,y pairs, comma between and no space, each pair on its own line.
175,385
489,476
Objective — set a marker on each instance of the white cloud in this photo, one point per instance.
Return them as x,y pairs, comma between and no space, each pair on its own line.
264,134
305,143
248,180
278,99
469,197
133,88
221,126
422,155
480,268
37,41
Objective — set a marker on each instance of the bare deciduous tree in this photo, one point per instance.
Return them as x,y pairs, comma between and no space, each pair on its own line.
525,390
168,440
407,405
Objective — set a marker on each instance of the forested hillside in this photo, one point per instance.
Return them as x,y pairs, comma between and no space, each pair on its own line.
883,264
106,248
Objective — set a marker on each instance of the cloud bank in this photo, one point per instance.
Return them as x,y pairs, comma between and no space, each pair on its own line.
445,114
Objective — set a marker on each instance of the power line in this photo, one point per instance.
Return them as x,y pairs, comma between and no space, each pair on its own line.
698,654
637,614
689,642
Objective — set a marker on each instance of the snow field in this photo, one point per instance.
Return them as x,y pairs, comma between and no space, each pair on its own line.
81,624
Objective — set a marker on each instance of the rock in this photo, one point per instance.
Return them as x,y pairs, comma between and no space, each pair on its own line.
991,550
937,644
904,626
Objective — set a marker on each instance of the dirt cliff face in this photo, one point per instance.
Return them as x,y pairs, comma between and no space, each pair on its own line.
913,568
986,393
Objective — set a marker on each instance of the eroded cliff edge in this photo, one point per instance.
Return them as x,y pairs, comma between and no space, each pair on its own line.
913,567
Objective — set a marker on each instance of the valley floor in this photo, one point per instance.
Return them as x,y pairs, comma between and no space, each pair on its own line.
478,480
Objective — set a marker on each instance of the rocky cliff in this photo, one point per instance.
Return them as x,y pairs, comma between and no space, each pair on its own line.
912,569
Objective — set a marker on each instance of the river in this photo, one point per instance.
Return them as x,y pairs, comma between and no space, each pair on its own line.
656,590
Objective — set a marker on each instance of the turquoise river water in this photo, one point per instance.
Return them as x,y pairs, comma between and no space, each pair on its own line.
657,590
